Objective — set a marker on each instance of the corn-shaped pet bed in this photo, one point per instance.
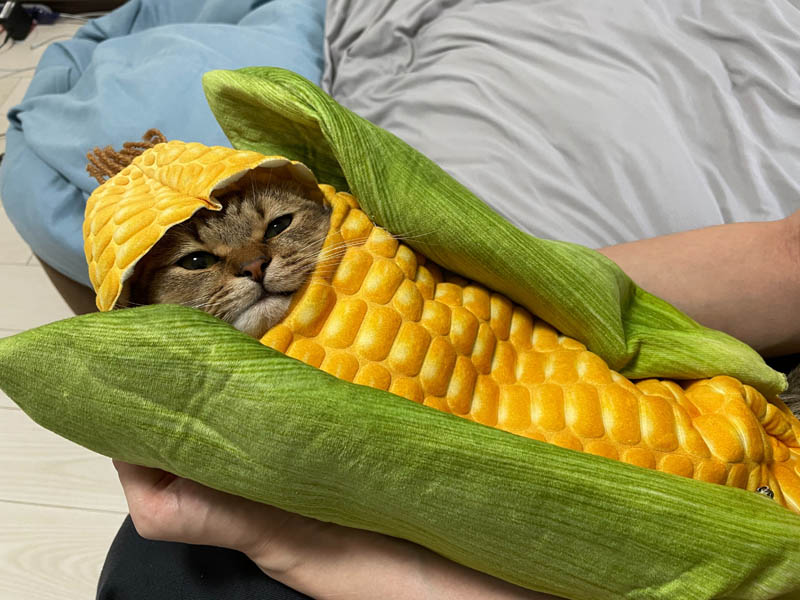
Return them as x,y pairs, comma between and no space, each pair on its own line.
377,313
174,388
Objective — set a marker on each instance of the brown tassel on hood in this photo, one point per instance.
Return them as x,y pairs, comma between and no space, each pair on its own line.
106,162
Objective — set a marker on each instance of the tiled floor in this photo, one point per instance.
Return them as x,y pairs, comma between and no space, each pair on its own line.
60,505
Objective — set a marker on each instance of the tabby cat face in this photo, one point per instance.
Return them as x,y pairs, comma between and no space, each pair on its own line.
241,264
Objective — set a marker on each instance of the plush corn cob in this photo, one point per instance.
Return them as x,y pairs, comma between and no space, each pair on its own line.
378,314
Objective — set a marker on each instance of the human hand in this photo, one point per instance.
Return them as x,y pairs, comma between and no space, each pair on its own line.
170,508
322,560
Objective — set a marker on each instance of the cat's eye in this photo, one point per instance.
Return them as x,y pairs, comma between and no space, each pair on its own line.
277,225
197,260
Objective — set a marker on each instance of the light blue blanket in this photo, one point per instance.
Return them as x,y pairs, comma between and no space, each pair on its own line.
136,68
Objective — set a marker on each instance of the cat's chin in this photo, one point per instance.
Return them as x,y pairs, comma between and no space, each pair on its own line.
263,315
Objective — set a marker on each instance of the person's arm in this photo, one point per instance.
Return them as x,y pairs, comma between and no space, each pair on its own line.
339,562
741,278
319,559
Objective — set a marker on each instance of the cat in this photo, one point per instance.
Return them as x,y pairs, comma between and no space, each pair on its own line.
241,264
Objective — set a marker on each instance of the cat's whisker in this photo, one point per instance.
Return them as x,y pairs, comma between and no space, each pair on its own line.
131,304
322,259
203,305
402,237
327,261
342,244
336,254
331,254
221,306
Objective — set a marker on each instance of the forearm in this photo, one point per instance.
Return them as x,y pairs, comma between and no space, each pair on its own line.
349,563
741,278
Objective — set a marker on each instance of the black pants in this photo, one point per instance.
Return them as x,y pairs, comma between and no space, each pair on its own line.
140,569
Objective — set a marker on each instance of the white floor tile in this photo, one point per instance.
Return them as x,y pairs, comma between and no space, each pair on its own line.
26,53
34,462
7,85
5,401
49,553
28,298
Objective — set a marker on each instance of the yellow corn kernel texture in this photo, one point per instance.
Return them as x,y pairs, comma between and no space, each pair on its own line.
376,313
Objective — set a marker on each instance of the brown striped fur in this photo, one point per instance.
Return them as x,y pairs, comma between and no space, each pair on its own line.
235,235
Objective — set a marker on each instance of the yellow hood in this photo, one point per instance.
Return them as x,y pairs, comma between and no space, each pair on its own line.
127,215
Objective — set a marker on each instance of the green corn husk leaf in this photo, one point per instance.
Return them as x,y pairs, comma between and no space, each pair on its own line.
174,388
577,290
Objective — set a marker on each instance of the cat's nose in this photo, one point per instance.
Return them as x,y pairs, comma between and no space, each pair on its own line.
255,269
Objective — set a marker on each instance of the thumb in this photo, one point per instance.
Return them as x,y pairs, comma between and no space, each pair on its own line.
140,483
